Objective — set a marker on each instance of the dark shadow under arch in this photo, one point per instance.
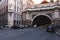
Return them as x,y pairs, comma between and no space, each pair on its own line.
41,20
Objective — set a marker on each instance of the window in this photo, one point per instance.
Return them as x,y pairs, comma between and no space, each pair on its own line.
19,22
10,14
14,15
14,22
17,15
27,16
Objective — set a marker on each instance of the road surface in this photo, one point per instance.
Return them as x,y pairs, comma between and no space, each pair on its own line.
27,34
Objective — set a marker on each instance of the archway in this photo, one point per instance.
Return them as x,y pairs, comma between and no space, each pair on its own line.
41,20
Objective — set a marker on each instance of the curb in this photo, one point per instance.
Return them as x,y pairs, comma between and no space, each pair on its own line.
58,34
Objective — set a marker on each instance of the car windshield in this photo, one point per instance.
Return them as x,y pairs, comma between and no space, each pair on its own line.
50,26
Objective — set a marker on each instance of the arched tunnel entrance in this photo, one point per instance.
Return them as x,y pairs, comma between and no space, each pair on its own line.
41,20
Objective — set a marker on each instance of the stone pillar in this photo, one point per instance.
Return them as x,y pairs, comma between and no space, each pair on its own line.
56,17
10,19
28,18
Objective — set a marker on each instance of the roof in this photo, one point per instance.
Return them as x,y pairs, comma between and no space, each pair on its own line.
43,2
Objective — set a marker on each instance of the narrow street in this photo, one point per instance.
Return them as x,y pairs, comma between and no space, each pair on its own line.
27,34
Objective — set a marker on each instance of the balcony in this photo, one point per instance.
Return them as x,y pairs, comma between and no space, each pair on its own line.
10,10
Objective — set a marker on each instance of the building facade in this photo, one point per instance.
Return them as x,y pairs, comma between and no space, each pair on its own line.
3,12
25,12
10,13
15,12
42,14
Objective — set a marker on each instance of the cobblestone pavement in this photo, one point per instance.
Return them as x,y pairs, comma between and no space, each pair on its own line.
27,34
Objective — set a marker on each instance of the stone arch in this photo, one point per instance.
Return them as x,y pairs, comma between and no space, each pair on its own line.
39,18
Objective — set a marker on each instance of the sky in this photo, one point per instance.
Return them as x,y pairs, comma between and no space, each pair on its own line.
39,1
35,1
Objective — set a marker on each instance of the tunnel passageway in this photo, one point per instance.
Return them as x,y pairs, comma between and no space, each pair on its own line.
41,20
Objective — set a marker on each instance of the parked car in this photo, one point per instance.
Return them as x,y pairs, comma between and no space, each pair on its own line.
15,27
51,28
5,26
22,27
26,26
57,26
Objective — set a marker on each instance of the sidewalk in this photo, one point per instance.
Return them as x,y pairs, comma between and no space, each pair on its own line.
58,32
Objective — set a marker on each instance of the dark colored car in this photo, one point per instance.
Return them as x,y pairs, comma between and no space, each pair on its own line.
23,26
57,26
15,27
51,28
5,26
